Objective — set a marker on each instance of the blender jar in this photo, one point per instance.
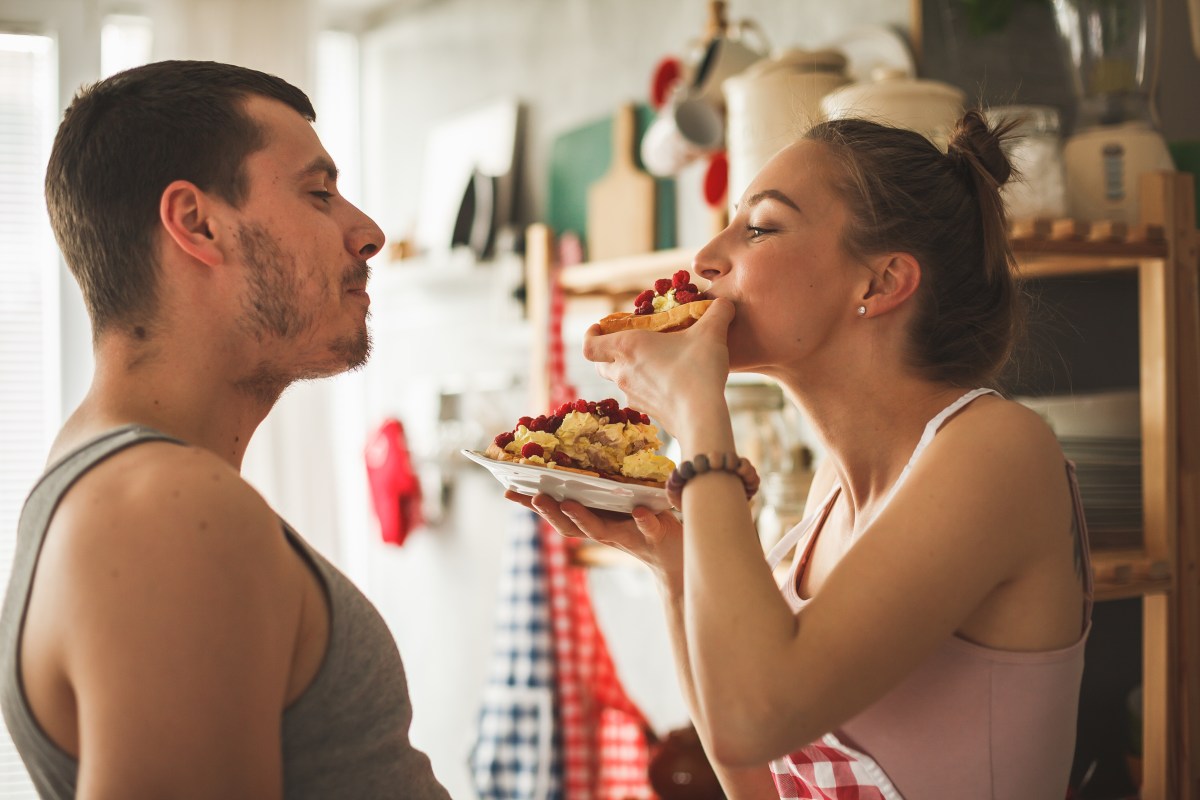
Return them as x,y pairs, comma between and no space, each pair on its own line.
1035,151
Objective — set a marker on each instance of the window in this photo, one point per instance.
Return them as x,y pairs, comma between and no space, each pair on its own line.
29,344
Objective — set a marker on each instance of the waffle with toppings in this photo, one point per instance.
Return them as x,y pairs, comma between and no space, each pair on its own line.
672,305
600,439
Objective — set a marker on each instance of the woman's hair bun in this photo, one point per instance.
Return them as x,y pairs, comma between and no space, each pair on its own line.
981,145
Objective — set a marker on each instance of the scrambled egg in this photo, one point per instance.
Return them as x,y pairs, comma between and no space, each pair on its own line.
624,448
665,302
523,435
647,466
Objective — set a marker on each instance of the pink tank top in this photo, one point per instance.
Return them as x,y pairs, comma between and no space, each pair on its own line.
970,722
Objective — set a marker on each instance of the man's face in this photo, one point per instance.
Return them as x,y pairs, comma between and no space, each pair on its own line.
304,249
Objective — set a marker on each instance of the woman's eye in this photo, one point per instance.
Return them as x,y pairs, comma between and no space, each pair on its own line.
324,195
755,231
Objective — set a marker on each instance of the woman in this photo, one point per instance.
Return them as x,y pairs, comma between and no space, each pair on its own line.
928,640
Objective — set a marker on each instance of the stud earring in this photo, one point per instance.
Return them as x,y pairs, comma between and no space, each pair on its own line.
862,311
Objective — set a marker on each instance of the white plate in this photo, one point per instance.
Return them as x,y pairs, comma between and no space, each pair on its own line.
599,493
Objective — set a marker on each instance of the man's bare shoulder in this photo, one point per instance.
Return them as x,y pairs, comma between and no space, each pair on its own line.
171,510
162,488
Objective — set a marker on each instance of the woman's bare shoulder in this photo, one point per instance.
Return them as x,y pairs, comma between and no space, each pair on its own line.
1001,424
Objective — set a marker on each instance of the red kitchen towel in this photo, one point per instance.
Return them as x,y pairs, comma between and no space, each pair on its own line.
395,491
570,251
604,735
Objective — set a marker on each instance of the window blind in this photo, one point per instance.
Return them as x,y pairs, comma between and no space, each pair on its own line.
28,303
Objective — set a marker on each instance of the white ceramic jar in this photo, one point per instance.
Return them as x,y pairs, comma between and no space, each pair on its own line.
772,103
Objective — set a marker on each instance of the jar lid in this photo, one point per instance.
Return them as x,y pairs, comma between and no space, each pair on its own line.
897,87
796,60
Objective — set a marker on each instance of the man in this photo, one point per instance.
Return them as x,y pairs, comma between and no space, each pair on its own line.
177,639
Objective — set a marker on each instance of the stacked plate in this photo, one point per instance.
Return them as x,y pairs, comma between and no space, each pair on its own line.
1109,469
1101,433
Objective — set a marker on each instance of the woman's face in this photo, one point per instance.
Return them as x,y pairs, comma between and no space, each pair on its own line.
781,262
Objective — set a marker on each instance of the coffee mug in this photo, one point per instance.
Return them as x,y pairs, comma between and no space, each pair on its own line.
686,128
725,56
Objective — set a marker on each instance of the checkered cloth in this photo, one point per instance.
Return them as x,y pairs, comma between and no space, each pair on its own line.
829,770
518,753
605,750
570,251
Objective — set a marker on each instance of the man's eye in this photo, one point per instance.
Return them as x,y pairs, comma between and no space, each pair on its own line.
324,195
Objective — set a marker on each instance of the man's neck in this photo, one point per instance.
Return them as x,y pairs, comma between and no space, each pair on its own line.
192,396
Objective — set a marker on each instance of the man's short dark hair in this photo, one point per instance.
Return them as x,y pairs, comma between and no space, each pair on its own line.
122,141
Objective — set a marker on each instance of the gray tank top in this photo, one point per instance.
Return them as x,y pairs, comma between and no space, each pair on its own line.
345,736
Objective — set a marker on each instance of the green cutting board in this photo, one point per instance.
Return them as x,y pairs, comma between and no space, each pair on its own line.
580,157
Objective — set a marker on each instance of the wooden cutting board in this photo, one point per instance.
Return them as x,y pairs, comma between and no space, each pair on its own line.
620,205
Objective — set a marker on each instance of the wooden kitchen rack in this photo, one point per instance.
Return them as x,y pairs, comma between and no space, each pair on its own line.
1165,571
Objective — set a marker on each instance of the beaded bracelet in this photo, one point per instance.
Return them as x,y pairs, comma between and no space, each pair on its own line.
715,462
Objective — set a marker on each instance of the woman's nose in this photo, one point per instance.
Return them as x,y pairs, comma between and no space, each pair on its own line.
710,262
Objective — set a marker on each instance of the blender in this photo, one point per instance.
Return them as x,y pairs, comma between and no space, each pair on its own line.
1113,47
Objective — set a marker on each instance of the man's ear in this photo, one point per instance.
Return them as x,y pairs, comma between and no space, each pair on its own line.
186,214
896,277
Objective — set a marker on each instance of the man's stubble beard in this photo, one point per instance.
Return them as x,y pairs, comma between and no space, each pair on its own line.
271,310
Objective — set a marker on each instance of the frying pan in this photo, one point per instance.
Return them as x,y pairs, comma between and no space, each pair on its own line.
475,225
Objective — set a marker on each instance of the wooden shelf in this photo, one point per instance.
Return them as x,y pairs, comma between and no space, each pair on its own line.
1121,574
628,275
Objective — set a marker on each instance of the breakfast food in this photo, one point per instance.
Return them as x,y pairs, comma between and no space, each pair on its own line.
592,438
672,305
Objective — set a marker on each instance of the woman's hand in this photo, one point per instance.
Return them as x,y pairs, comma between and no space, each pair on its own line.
660,373
654,539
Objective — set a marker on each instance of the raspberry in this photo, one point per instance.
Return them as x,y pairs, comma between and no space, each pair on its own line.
531,449
607,406
554,422
663,285
563,410
503,440
680,278
683,296
591,407
581,406
645,419
539,424
561,458
691,287
526,421
645,297
644,309
617,416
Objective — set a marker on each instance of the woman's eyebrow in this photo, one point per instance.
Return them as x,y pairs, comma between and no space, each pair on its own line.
771,194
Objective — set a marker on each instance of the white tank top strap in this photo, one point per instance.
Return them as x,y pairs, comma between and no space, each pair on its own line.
931,429
789,540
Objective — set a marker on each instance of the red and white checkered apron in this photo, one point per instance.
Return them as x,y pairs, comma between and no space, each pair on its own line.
604,747
829,770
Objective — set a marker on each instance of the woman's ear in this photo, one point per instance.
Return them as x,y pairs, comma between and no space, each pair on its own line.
896,277
186,214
